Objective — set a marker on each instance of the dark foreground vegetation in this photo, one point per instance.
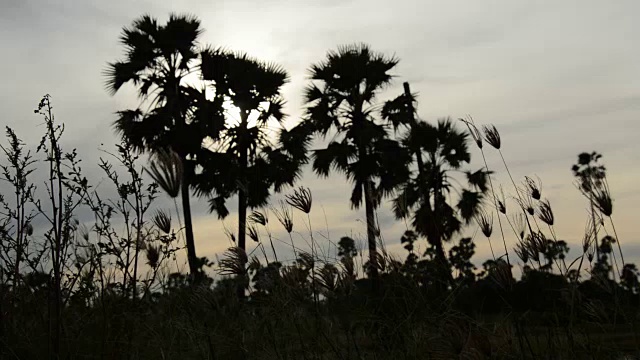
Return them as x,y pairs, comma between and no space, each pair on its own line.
89,271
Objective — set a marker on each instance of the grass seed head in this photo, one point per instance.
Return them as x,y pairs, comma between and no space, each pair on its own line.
258,217
162,220
492,136
473,130
485,221
301,199
526,203
284,216
252,231
522,251
233,262
545,213
166,170
519,224
534,187
501,202
153,256
602,200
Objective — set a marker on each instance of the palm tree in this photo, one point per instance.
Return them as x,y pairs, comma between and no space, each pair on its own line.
342,99
158,58
439,150
245,160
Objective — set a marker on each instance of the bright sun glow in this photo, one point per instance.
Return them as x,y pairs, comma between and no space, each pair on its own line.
232,113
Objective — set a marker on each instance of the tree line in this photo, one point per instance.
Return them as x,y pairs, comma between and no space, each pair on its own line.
242,158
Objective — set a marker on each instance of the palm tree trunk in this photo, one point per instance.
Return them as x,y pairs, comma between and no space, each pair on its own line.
444,270
242,235
242,220
422,184
188,227
418,153
242,195
371,234
441,260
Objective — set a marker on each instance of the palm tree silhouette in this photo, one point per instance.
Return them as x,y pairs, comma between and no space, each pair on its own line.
158,58
341,99
245,160
439,150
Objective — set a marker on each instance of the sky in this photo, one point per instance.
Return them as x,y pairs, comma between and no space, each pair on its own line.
556,78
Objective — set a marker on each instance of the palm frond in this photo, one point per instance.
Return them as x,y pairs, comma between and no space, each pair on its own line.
479,179
454,143
356,195
469,205
129,126
405,201
337,155
180,34
119,73
399,110
296,141
217,205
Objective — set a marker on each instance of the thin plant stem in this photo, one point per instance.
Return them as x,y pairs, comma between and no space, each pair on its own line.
509,172
615,233
517,190
175,202
326,223
512,228
491,248
295,254
595,227
555,239
313,269
273,248
615,261
495,202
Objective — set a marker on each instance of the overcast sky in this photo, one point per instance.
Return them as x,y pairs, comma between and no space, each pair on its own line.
556,78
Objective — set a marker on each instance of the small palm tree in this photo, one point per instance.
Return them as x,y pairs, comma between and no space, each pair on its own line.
342,99
158,58
245,161
442,149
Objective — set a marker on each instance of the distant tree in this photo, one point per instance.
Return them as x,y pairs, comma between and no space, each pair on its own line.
590,174
592,181
341,99
460,256
437,151
158,60
603,268
441,150
629,279
245,161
